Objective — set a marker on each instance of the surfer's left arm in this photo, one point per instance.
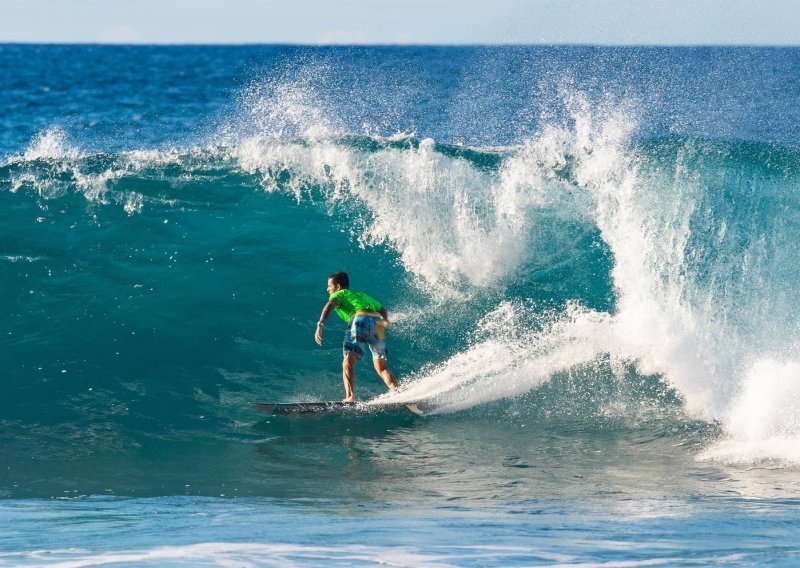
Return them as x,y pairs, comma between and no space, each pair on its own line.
326,311
384,314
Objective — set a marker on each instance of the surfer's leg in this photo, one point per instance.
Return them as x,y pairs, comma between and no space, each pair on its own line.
377,344
353,350
384,373
349,376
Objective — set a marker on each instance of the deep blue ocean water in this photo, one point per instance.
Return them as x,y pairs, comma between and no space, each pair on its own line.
589,254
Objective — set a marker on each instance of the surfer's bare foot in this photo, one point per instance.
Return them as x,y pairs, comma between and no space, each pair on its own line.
349,399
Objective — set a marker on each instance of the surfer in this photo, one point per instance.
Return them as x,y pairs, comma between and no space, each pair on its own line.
366,326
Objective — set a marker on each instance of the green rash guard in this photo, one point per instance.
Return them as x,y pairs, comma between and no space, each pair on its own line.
351,302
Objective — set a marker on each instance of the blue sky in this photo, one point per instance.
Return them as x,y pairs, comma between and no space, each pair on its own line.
605,22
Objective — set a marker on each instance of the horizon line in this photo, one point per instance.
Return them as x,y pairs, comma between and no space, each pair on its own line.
351,45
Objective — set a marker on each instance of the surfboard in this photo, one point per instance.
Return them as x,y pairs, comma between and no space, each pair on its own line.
334,408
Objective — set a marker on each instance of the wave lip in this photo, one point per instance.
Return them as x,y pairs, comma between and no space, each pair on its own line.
51,144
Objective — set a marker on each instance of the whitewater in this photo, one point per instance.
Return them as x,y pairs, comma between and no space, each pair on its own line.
589,256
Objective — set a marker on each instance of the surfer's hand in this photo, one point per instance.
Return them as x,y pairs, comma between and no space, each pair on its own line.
318,334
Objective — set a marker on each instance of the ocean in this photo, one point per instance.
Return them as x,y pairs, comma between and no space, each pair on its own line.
589,255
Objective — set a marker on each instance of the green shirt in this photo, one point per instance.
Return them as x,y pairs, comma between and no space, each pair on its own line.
351,302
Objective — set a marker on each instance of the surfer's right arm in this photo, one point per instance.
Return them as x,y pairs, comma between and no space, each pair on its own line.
326,311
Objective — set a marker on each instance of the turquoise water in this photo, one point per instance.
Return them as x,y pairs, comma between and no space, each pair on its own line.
589,255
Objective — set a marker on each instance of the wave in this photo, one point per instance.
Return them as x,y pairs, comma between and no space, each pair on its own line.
582,247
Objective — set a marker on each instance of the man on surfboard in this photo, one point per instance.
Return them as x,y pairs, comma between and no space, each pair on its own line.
366,326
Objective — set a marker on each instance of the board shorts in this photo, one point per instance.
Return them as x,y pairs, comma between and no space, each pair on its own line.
362,332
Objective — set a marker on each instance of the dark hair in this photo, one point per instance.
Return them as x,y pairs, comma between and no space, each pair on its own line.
341,279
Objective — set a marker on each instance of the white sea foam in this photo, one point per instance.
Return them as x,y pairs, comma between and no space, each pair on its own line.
511,361
763,422
53,167
246,555
20,258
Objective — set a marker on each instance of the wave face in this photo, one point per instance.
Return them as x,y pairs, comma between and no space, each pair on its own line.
562,237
